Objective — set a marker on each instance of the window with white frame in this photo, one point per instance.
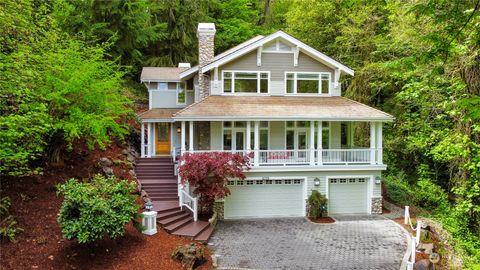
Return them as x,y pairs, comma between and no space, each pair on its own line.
307,82
246,82
233,132
277,46
297,133
181,94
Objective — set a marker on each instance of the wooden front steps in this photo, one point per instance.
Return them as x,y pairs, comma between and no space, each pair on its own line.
157,178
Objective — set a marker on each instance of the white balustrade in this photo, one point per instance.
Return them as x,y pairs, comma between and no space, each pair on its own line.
186,200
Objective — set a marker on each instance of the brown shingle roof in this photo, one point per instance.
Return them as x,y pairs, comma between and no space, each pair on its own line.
161,73
158,113
286,107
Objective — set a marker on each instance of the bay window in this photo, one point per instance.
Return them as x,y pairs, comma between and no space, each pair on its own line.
246,82
307,82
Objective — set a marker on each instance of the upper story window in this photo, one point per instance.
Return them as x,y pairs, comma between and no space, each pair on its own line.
246,82
277,46
307,82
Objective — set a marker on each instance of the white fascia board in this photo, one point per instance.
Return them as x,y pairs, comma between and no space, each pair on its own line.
188,72
159,80
333,168
273,118
309,50
158,120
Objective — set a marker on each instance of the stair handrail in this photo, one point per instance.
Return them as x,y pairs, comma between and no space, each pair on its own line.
191,203
415,240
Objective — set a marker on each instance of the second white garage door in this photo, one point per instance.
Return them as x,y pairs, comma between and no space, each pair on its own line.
348,195
265,198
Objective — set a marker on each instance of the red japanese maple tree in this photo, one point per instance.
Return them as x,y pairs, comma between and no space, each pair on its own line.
210,172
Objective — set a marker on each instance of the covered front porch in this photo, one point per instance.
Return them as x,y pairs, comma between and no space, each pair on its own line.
287,143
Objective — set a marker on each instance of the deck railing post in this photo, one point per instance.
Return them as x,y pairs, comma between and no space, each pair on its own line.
256,143
406,215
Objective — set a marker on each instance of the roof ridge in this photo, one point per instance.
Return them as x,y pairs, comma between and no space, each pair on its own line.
367,106
189,106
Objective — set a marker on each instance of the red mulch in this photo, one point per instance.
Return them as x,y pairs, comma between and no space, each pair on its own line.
322,220
41,246
385,210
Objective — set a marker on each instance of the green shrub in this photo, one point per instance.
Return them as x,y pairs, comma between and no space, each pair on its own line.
399,191
317,204
8,224
98,208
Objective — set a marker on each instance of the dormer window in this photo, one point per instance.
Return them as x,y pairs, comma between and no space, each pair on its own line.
246,82
307,82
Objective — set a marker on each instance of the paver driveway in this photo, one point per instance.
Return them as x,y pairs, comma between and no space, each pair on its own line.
352,242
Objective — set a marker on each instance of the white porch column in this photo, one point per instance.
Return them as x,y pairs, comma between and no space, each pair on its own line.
312,143
379,143
142,139
319,142
183,137
373,143
248,141
149,139
190,137
256,143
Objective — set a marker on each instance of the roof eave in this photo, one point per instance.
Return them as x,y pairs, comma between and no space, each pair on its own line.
282,118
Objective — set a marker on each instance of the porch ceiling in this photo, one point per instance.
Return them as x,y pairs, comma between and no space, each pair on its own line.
154,114
284,107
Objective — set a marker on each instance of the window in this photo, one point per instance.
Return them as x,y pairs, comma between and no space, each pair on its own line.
181,97
162,86
307,83
278,182
277,46
227,139
240,182
172,86
288,182
259,182
249,182
163,132
297,133
246,82
297,181
231,183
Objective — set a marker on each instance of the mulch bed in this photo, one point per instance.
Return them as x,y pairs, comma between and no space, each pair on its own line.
323,220
41,246
385,211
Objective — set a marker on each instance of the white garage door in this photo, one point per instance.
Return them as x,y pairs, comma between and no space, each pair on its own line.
347,195
264,198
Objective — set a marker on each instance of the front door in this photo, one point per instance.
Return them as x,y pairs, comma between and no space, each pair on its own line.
163,139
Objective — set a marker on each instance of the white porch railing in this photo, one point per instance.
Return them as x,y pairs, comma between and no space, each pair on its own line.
309,157
146,150
190,202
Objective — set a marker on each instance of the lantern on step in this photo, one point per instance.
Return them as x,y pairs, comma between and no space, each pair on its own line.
148,205
149,222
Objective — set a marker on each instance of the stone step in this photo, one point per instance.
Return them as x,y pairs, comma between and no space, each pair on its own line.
192,230
204,236
165,206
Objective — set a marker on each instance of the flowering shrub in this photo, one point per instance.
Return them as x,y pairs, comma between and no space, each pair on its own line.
209,173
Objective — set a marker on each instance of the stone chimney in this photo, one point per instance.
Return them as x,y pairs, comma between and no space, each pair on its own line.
206,36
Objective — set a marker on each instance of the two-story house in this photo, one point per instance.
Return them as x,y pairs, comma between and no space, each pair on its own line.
280,99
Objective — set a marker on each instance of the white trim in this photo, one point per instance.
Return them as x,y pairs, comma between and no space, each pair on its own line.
279,34
306,129
184,92
150,97
295,84
245,71
279,118
158,120
321,168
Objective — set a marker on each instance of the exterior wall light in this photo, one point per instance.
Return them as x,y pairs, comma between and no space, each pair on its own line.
179,129
378,180
316,182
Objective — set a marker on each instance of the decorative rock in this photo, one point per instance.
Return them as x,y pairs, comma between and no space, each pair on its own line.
132,173
423,265
427,247
191,255
125,151
218,209
105,162
377,206
143,194
107,171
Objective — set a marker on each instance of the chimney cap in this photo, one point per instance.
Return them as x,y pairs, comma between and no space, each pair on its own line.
206,28
184,65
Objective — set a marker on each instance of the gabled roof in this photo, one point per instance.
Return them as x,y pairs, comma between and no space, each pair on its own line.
154,74
258,41
218,108
157,113
194,69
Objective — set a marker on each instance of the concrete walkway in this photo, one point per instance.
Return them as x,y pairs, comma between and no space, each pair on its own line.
353,242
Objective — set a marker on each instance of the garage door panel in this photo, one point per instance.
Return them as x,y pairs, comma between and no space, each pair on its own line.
348,196
262,200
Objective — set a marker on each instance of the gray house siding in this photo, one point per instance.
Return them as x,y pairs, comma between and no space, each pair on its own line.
277,64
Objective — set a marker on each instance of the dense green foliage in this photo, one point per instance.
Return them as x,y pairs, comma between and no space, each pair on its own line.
54,90
317,204
418,60
97,208
8,225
